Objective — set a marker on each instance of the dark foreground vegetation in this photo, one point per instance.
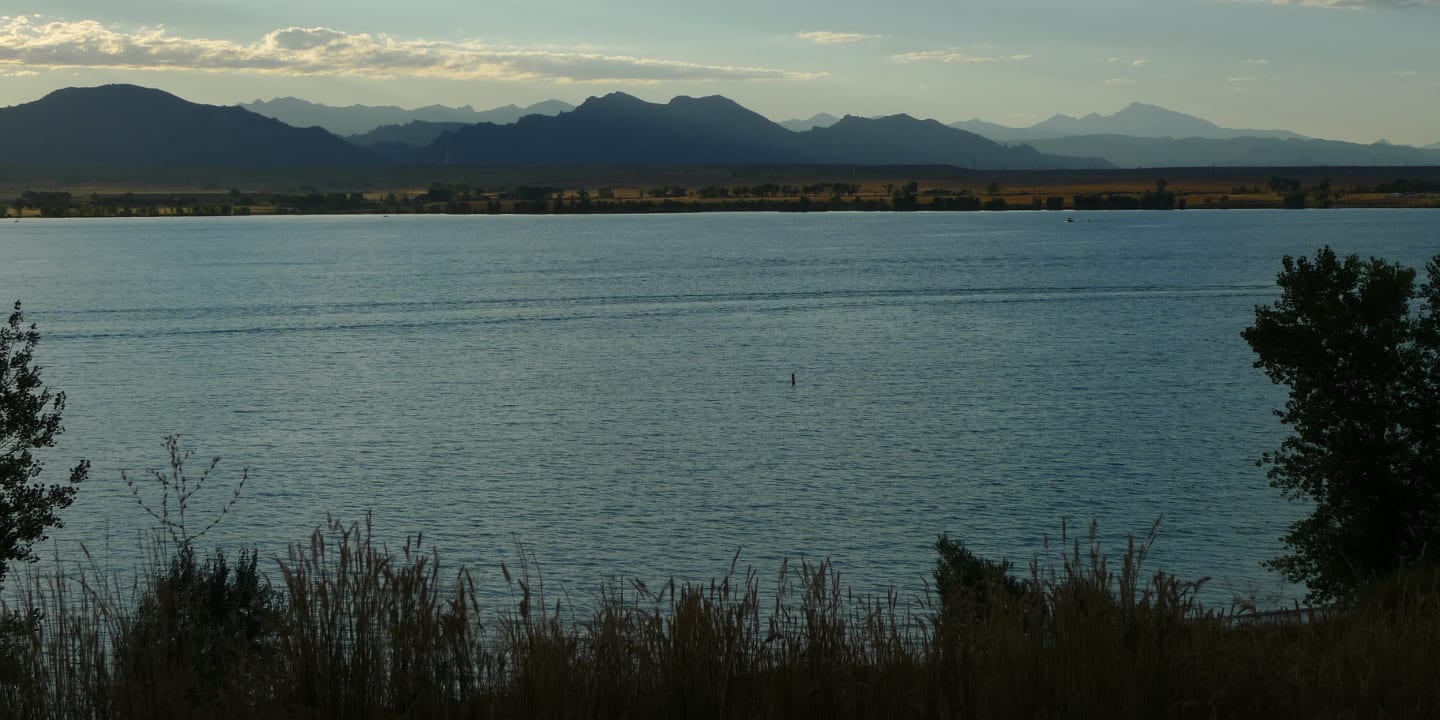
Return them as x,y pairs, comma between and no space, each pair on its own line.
344,627
352,630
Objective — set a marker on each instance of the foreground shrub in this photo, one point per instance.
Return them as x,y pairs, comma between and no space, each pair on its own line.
353,630
199,641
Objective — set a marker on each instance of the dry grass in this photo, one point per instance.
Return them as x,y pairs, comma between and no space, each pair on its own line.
354,631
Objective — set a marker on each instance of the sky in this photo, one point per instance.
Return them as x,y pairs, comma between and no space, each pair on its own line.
1354,70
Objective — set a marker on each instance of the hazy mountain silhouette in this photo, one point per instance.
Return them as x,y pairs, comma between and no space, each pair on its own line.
619,129
130,125
1432,146
1001,133
1135,120
904,140
357,119
1126,151
814,121
416,133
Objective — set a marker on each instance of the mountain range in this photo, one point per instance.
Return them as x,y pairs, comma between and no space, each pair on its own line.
119,125
1135,120
814,121
1127,151
126,125
619,129
130,125
359,119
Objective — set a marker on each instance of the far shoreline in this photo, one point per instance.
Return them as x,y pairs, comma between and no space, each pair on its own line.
178,191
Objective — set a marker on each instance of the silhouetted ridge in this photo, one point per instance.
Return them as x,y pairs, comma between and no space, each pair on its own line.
130,125
620,129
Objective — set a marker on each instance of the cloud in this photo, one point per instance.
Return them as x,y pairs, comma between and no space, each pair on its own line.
1119,82
825,37
1356,4
1137,62
1246,83
955,56
323,51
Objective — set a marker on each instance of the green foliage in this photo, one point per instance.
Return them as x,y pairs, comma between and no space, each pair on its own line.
1365,408
906,196
1294,196
29,421
199,628
963,578
50,204
1161,198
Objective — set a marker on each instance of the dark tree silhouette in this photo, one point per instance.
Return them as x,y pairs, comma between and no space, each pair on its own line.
29,420
1364,403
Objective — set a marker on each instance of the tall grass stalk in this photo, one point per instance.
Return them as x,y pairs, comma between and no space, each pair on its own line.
351,629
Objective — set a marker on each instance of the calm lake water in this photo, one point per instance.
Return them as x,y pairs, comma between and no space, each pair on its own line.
615,392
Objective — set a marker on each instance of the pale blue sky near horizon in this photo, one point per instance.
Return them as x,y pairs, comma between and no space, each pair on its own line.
1354,70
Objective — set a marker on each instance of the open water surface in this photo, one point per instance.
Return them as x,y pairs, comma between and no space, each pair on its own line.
615,392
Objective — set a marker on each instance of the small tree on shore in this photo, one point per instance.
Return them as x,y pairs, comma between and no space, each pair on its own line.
29,420
1364,377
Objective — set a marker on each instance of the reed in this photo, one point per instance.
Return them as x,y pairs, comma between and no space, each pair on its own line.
343,627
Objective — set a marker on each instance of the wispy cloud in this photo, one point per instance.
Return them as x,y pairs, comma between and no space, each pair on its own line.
1356,4
1246,83
825,37
1137,62
1119,82
27,42
956,56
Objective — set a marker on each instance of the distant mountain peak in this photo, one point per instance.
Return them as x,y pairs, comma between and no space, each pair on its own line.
360,119
712,100
131,125
615,97
820,120
1136,119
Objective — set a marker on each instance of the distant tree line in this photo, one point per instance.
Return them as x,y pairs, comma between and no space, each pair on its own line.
1402,186
465,198
1294,196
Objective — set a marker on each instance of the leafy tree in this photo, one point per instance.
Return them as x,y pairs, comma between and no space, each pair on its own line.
29,420
1364,378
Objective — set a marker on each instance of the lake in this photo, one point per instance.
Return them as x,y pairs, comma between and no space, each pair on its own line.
614,393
